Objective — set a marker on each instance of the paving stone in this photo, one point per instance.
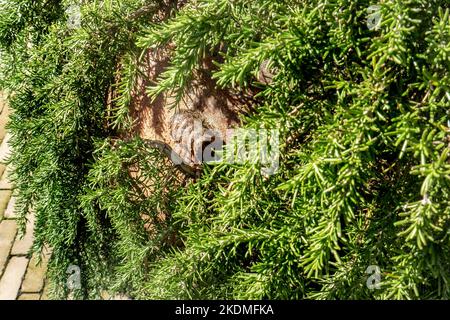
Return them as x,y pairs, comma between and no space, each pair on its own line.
29,296
4,200
2,168
5,148
104,295
4,153
47,252
8,230
44,295
120,297
4,117
9,211
17,273
35,276
12,278
5,183
23,244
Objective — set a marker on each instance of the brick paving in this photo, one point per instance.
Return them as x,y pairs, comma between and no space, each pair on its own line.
20,277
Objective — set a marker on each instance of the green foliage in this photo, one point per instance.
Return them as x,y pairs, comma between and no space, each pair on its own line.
58,79
135,192
364,175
